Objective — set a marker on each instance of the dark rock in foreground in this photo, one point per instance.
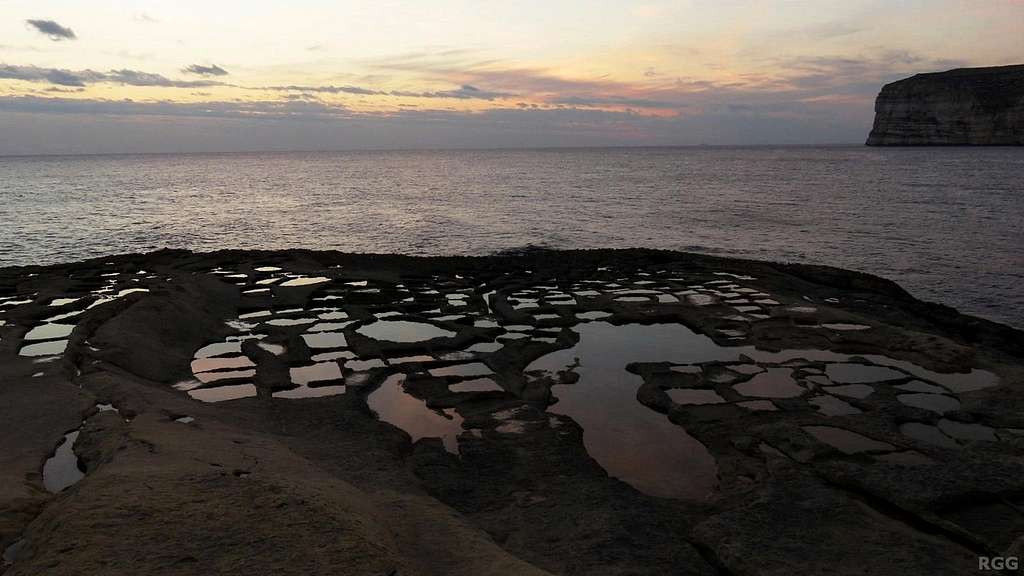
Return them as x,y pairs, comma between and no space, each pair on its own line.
963,107
304,412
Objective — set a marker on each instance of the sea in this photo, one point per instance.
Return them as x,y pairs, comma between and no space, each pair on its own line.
945,223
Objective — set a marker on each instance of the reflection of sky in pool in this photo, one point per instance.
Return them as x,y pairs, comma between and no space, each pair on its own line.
403,331
411,414
633,442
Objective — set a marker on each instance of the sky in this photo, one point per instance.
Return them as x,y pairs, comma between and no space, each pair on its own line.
110,76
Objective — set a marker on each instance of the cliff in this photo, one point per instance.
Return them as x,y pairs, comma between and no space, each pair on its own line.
963,107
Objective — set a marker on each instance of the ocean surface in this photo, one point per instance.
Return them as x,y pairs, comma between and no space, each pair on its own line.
946,223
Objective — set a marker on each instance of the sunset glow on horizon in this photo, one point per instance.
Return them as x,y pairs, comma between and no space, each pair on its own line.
460,73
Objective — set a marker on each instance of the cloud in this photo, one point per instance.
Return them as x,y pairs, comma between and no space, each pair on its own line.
541,85
137,78
324,89
595,101
489,73
52,30
62,77
218,109
802,99
465,92
93,126
128,77
846,80
57,76
867,72
211,70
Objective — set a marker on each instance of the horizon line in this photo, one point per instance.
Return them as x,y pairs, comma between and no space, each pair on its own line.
442,149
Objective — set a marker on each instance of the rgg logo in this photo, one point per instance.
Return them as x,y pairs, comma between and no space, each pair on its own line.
998,563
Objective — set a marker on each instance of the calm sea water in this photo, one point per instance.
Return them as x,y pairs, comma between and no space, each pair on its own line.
944,223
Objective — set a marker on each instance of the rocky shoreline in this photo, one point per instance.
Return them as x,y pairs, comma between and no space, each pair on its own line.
301,412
